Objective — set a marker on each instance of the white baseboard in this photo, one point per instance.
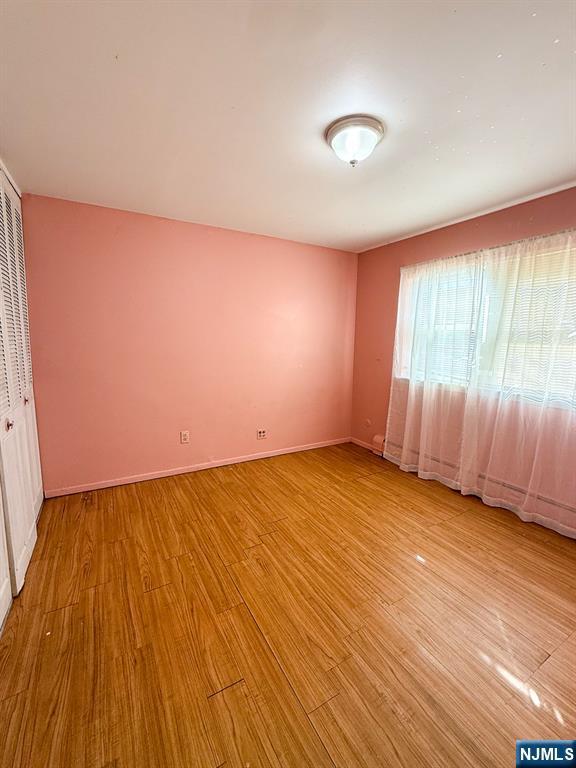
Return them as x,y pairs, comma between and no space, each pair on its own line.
361,443
51,493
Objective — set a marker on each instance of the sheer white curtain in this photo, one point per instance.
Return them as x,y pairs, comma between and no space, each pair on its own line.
484,381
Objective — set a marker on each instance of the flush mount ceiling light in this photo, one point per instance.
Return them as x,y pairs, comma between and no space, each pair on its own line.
355,137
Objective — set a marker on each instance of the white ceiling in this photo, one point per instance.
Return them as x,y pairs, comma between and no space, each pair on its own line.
214,112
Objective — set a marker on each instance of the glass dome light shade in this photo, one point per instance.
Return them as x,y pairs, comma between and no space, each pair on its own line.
354,138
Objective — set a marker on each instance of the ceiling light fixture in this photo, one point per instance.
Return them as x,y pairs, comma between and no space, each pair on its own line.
355,137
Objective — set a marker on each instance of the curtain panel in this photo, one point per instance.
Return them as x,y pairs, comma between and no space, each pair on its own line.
483,391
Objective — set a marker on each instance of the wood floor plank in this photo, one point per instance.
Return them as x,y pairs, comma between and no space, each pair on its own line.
303,646
94,713
316,609
240,729
45,738
409,673
311,567
19,645
287,729
181,611
61,526
522,604
554,683
405,720
12,717
474,625
216,579
166,723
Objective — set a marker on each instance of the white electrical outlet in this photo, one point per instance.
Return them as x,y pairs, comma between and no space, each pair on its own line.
184,437
261,434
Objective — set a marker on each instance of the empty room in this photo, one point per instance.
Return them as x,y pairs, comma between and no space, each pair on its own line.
287,383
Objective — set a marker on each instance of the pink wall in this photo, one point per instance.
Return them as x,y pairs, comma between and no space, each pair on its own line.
143,326
378,282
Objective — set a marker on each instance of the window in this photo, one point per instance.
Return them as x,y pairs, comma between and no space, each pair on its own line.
502,320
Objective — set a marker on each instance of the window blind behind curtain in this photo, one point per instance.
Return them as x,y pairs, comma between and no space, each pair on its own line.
484,376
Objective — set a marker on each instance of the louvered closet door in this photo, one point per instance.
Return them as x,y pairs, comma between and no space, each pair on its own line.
5,584
17,450
33,453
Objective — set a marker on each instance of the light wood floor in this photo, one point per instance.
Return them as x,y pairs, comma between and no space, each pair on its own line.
315,609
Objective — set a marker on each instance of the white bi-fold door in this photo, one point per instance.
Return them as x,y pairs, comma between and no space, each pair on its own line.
19,458
5,585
